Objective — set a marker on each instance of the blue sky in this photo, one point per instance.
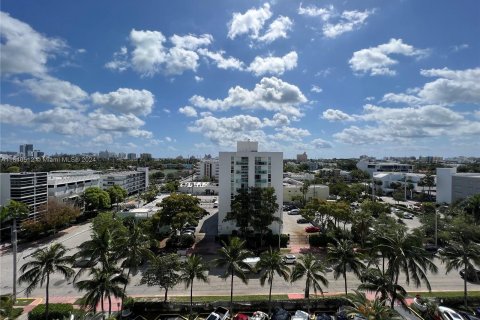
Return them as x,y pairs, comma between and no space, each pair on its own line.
334,79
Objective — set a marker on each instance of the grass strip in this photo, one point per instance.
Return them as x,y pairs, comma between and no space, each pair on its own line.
23,302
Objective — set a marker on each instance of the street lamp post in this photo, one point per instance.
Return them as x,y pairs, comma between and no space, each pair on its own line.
436,228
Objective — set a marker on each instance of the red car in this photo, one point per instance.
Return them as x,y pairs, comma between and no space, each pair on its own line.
311,229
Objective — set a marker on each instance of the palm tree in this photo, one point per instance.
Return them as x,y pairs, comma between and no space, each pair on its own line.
462,255
314,272
135,248
271,262
343,255
14,210
101,248
371,310
231,257
404,256
45,262
163,272
193,268
104,282
375,280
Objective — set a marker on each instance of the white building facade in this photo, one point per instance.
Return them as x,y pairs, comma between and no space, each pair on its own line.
317,191
132,181
247,167
453,186
27,187
371,167
68,186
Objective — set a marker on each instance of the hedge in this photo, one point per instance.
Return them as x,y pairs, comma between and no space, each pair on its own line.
455,302
55,311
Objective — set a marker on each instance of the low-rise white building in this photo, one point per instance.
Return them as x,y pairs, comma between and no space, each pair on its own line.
387,178
198,188
453,186
69,185
316,191
132,181
371,167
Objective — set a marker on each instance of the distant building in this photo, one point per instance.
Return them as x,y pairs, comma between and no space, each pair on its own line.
27,187
387,178
198,188
302,157
453,186
122,155
132,156
247,167
132,181
371,167
430,159
146,156
209,168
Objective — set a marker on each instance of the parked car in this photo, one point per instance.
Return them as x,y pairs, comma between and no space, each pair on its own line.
408,215
300,315
289,259
311,229
473,275
468,316
449,314
294,212
219,313
302,220
252,262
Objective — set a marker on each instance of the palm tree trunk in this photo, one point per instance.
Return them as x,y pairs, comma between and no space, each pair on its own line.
231,294
166,293
125,288
46,296
191,297
270,296
465,288
394,293
101,301
307,295
109,305
345,279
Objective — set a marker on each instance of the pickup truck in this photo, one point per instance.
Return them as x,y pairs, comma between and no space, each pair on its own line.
220,313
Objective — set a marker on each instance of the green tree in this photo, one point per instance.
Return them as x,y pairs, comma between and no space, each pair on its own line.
117,194
374,208
376,281
96,199
13,169
106,221
472,205
163,272
180,209
57,214
241,210
371,309
314,272
428,181
265,207
271,262
343,256
361,224
304,191
150,194
466,255
193,269
45,262
231,258
134,246
405,256
103,282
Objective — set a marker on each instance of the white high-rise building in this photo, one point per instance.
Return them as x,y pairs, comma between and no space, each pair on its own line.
209,168
248,168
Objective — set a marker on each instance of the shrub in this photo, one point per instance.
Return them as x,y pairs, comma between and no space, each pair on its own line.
6,305
185,241
319,240
55,311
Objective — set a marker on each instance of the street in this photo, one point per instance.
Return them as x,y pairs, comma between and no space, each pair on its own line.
75,235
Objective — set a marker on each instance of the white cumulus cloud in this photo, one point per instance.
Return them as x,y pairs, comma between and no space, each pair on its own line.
250,22
221,61
336,115
188,111
15,115
377,61
277,29
273,65
125,100
270,94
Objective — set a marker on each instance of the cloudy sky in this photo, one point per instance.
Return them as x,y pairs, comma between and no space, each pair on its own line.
334,79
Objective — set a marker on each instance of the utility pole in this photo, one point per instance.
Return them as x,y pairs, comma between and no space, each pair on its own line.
436,228
14,247
405,187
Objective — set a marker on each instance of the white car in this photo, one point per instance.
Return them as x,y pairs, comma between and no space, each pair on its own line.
294,212
407,215
289,259
449,314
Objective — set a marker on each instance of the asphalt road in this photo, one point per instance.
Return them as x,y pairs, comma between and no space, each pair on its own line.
216,286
